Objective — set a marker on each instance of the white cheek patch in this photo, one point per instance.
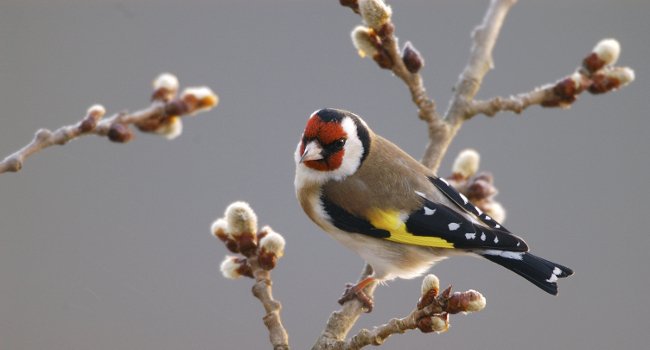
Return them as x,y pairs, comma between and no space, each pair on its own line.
353,150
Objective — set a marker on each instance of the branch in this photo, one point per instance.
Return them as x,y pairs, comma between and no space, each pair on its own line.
377,40
340,322
480,60
430,315
161,117
596,75
261,251
479,63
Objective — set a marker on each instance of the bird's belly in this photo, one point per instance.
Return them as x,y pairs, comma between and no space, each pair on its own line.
390,260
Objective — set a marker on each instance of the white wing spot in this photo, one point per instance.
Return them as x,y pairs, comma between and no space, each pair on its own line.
429,211
453,226
464,198
488,218
506,254
496,239
470,235
557,271
478,211
420,194
518,243
445,181
552,279
482,236
497,226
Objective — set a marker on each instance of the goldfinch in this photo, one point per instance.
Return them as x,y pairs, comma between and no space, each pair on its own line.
395,213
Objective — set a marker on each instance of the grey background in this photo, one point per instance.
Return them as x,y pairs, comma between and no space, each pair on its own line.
106,246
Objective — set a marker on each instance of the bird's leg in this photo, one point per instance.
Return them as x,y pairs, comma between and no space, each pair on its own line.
356,291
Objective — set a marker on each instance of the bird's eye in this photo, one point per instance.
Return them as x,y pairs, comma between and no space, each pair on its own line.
338,144
334,146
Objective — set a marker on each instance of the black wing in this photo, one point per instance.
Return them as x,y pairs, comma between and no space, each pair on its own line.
463,203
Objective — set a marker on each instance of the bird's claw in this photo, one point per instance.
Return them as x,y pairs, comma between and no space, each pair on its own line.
352,292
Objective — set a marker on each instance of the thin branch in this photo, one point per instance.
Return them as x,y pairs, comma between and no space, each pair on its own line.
563,93
378,40
263,291
261,250
162,117
480,62
426,106
430,315
515,104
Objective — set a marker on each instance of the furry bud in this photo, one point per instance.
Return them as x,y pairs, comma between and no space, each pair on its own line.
430,288
170,128
242,226
271,248
93,115
430,282
412,58
165,87
611,79
440,323
466,163
469,301
272,242
241,218
375,13
606,52
199,99
96,111
233,267
219,228
364,42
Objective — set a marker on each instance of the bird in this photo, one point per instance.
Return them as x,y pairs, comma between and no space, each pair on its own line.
378,201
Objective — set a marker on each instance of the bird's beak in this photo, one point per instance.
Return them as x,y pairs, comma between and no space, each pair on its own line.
313,151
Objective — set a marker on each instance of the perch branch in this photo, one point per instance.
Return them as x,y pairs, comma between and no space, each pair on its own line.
340,322
430,315
162,117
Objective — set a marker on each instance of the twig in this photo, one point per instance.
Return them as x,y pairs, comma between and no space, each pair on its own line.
262,290
430,315
261,250
162,117
562,93
340,322
479,63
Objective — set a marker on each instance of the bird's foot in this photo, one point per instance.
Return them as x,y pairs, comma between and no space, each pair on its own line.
356,291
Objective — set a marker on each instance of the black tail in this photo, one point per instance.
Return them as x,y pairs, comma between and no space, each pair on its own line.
541,272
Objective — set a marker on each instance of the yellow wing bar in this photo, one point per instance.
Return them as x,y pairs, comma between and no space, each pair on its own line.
391,221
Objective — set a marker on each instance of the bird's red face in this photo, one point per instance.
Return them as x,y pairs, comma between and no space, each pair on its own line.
322,146
333,146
